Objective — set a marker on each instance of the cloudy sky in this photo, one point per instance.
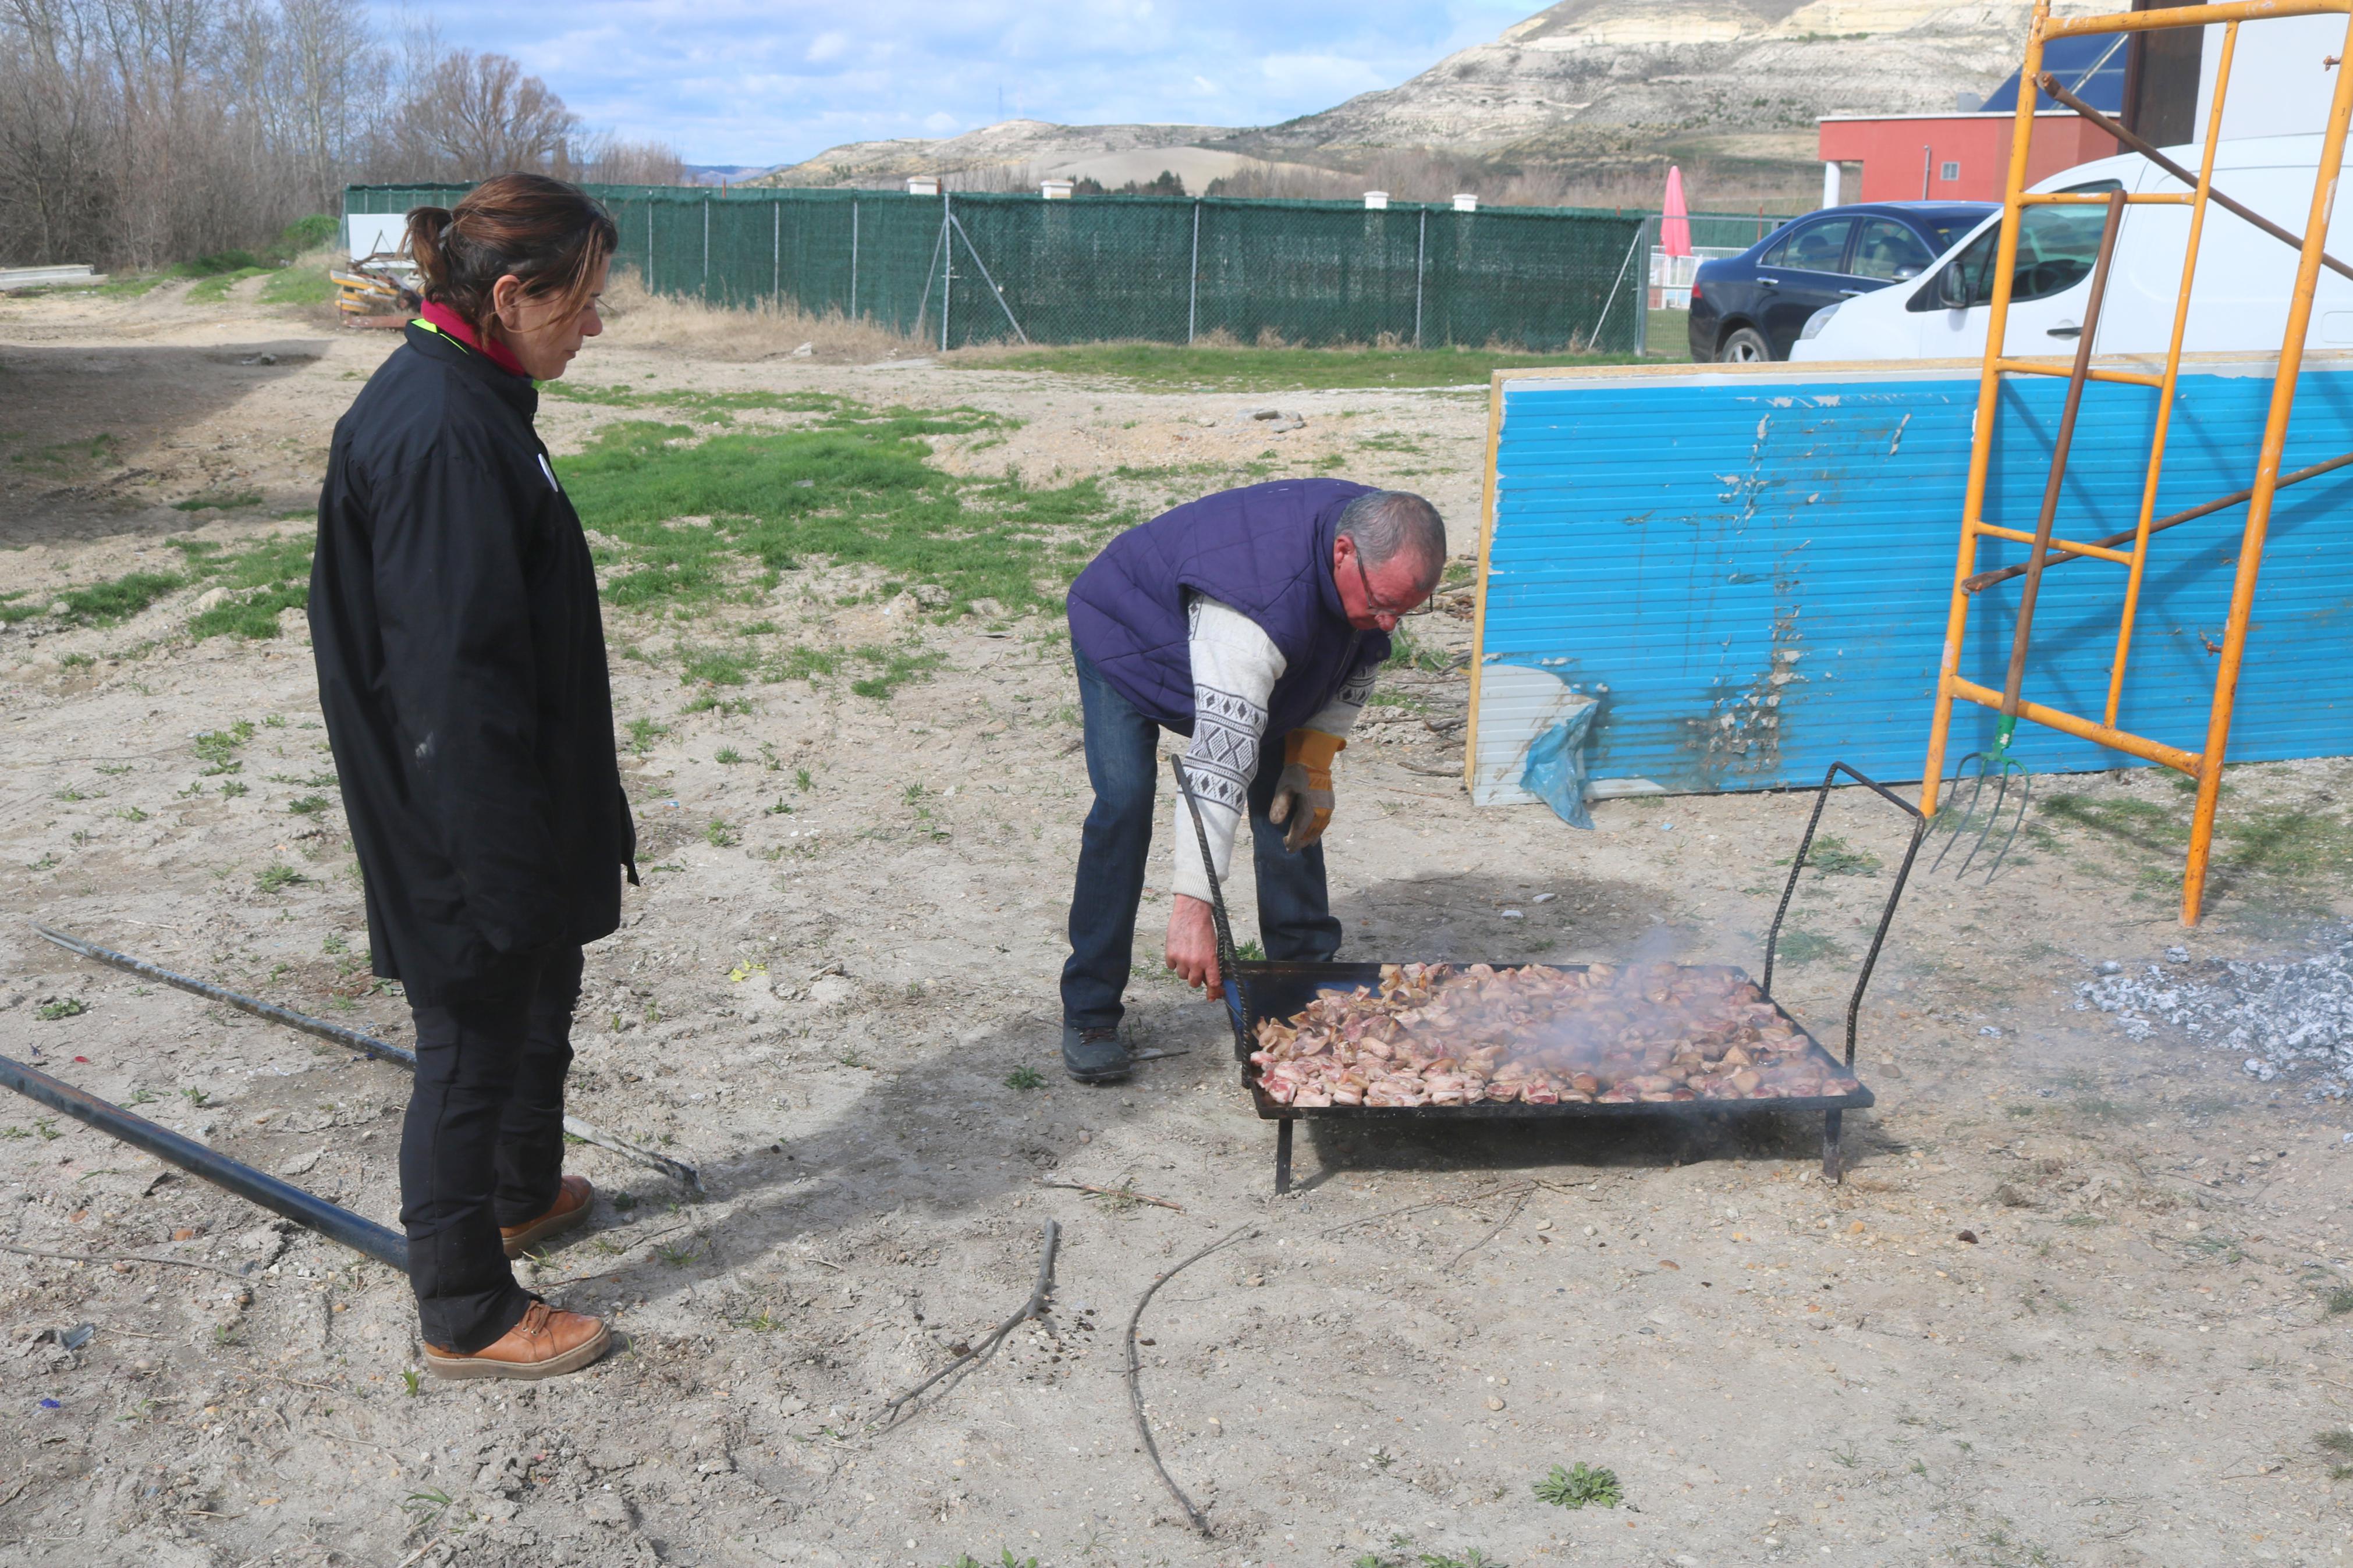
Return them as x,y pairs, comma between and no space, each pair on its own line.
734,81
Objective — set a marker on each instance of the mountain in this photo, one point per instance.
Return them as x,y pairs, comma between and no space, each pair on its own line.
1583,85
1602,77
1014,145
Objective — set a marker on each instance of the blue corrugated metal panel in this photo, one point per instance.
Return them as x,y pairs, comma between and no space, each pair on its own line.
1752,572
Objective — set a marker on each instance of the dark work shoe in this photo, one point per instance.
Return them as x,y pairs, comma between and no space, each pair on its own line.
1094,1056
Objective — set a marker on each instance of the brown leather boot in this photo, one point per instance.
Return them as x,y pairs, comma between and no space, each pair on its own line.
572,1200
548,1342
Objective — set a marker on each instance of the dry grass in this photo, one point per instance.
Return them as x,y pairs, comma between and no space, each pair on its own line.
641,319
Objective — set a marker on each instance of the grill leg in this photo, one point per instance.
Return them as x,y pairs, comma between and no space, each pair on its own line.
1282,1156
1832,1168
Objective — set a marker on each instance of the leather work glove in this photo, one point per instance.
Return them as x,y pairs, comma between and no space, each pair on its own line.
1303,795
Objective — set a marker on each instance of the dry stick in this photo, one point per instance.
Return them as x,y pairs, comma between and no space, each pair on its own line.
1030,1308
1519,1202
1135,1370
1114,1193
88,1258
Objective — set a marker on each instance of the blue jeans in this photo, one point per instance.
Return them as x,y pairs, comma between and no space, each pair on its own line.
1294,910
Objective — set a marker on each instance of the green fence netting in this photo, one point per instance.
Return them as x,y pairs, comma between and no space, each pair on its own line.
991,268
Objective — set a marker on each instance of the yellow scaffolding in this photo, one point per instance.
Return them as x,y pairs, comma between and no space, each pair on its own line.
2205,765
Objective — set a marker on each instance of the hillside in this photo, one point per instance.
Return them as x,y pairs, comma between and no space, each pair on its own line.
1585,84
1633,77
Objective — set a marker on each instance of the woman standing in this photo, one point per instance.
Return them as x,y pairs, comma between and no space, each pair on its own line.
462,669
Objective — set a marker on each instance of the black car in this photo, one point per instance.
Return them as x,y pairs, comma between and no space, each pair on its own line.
1752,306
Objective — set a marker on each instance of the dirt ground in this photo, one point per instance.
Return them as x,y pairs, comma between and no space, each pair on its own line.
2070,1305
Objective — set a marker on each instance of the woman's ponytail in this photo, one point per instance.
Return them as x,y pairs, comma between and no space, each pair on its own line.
423,241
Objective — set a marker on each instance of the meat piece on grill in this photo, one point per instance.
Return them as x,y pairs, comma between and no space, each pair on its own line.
1431,1034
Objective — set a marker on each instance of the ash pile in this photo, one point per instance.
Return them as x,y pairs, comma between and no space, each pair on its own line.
2282,1018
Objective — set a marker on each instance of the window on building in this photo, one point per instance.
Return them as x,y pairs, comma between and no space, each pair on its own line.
1948,171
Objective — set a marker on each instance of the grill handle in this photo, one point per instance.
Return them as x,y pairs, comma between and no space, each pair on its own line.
1229,959
1886,916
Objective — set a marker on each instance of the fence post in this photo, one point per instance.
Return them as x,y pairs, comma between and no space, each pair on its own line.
777,250
853,258
650,245
1192,288
706,251
947,272
1420,251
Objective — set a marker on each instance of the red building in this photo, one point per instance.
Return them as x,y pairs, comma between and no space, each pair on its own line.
1949,157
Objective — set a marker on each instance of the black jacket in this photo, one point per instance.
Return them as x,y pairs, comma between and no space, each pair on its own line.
462,669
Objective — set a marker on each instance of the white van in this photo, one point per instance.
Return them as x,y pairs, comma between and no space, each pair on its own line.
2238,300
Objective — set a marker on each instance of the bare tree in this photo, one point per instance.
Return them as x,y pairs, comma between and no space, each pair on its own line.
484,117
140,133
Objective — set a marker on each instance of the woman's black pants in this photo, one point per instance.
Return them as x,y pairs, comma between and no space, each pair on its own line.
483,1146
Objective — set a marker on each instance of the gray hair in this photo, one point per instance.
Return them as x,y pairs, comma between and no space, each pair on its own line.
1388,523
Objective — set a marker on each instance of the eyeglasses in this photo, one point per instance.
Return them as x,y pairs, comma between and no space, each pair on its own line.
1428,602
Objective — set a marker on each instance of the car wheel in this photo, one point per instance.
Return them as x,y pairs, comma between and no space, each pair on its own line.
1744,346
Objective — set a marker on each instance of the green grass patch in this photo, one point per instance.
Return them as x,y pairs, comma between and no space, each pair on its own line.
299,286
1275,369
856,487
1579,1486
264,578
72,459
218,501
1835,856
1805,946
214,288
110,604
897,666
717,666
715,407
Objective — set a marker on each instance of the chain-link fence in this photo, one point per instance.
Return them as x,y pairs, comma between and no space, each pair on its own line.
989,269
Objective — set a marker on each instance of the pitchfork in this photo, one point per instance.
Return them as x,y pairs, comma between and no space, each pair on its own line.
1998,767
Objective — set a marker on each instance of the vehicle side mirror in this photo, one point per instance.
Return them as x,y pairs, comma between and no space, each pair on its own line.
1952,291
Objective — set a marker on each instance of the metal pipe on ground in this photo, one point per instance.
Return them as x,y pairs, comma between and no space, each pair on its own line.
350,1039
336,1223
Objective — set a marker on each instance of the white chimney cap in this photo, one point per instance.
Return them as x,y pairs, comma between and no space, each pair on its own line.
1376,201
1465,202
923,185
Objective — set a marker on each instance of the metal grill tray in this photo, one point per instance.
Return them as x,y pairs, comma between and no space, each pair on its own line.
1280,990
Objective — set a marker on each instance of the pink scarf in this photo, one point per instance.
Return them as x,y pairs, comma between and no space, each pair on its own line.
452,324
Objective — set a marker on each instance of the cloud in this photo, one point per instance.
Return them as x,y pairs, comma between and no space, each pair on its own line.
739,82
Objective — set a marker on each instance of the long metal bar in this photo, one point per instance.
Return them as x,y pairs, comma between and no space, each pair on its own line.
352,1039
1420,253
853,258
947,273
2202,190
2057,548
1192,288
330,1220
2189,16
1886,915
2022,634
2148,151
2267,472
776,251
1949,668
2083,729
1985,580
2045,367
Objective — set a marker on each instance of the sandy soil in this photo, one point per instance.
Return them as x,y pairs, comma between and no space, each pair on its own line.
2070,1306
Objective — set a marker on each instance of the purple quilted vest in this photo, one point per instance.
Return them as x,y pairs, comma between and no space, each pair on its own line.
1266,550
